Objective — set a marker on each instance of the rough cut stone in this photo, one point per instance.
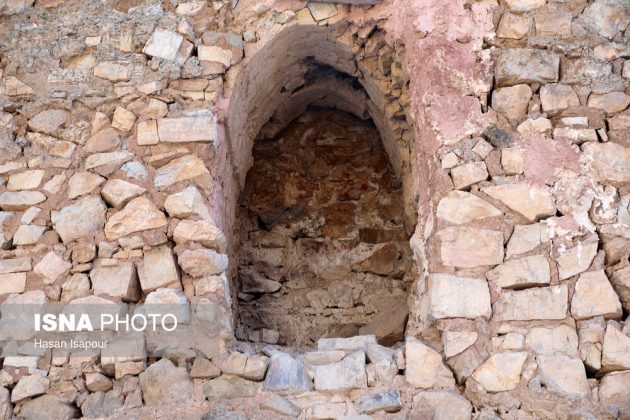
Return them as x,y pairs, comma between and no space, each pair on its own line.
359,342
28,234
512,160
116,279
188,129
533,203
84,218
512,102
96,382
620,280
576,260
614,391
15,265
204,232
286,374
163,44
536,303
282,406
163,382
228,387
462,207
48,407
523,65
595,296
424,366
563,375
387,400
29,386
347,374
187,203
113,71
138,215
458,297
180,169
117,192
611,161
27,180
22,200
513,26
83,183
610,103
215,54
12,283
201,262
554,23
112,158
48,121
525,238
456,342
123,119
553,340
440,405
470,247
173,302
558,97
51,267
607,17
526,272
159,269
525,5
470,173
501,372
106,140
616,350
322,11
203,368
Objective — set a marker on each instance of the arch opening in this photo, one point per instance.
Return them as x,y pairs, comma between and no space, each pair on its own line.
320,193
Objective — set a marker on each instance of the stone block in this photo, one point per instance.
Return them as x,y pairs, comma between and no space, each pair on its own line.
523,65
116,279
512,102
595,296
85,217
21,200
525,272
138,215
458,297
387,400
188,129
529,304
470,247
460,207
159,269
470,173
563,375
501,372
163,382
576,260
347,374
163,44
424,366
533,203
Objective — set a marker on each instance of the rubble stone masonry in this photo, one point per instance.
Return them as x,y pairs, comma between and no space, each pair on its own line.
405,209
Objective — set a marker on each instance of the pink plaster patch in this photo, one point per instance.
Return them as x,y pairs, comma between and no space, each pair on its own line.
545,157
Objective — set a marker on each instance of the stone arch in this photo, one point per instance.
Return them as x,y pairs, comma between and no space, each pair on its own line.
263,90
314,65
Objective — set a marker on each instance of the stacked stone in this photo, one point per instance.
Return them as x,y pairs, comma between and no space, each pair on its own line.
529,260
111,143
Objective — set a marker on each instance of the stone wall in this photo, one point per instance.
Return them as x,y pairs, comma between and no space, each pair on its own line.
126,134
